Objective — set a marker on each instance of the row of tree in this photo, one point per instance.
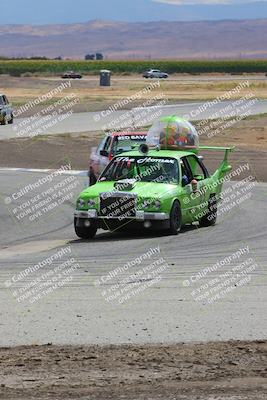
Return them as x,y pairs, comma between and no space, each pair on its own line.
97,56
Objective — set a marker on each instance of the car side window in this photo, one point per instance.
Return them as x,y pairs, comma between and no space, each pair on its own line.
107,144
198,169
104,147
101,145
186,172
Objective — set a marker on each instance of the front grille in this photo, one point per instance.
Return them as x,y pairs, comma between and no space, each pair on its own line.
117,205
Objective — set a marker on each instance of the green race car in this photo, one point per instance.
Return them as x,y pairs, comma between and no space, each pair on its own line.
156,188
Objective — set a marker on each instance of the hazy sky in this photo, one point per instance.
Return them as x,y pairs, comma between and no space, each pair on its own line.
66,11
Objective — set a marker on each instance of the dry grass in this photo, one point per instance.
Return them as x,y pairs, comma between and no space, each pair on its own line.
92,97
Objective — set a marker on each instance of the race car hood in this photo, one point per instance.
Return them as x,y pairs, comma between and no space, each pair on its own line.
142,189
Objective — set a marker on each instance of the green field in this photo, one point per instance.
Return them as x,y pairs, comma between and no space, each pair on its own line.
50,67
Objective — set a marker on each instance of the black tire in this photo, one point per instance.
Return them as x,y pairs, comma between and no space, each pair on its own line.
175,221
210,217
92,179
11,120
85,232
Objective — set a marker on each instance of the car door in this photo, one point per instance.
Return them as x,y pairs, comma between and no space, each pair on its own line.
200,196
188,201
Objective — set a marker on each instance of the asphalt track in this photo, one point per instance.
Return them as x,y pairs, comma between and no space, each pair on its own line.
77,313
117,119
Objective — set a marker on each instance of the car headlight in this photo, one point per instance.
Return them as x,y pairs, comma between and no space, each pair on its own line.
157,203
150,203
146,204
91,203
80,203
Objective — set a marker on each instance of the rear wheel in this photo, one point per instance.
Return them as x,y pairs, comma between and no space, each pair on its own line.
85,232
175,221
210,217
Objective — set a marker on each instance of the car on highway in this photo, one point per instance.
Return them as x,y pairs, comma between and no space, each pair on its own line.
6,111
112,144
71,75
155,73
163,189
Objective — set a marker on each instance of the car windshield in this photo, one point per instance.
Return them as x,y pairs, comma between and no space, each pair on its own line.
143,168
127,143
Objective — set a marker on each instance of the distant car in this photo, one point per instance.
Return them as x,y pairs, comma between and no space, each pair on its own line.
155,73
71,75
6,111
113,144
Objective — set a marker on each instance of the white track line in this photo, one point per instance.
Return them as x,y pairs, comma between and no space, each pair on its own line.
45,171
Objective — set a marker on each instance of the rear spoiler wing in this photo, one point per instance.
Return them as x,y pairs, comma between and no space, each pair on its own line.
225,166
218,148
227,150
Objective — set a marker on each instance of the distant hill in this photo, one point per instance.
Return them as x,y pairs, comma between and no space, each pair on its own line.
120,40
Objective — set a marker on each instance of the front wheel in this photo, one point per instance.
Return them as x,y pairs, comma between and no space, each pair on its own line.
175,221
85,232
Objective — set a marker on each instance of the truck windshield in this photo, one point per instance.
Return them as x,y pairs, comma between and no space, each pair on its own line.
144,169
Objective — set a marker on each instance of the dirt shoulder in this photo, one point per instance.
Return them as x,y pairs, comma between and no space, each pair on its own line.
249,137
180,371
92,97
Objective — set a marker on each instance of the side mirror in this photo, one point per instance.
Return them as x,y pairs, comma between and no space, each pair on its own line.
104,153
199,177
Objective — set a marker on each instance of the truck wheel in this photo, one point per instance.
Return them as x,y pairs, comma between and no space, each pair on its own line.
85,232
210,217
175,220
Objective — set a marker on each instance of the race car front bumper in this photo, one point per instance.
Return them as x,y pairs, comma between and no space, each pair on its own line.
139,216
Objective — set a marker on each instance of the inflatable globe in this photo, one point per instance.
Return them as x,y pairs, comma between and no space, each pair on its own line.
172,133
